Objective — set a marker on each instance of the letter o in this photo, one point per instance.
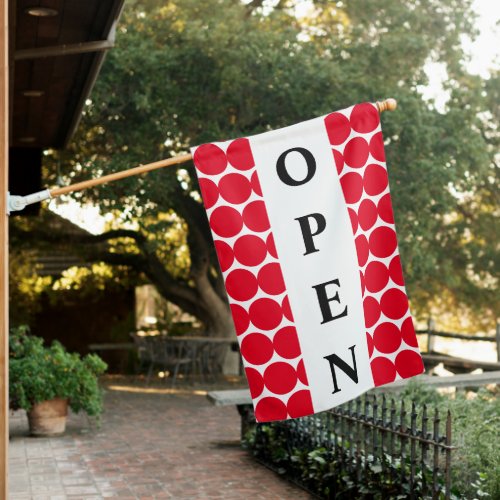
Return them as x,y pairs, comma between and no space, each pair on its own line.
283,174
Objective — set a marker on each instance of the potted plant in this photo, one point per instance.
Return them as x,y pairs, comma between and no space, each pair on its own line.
45,380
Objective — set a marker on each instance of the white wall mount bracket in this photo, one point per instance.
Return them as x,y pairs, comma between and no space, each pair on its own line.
16,203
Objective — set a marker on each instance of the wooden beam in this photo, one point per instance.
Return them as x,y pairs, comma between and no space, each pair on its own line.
4,248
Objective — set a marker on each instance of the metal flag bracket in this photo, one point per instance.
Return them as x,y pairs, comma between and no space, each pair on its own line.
16,203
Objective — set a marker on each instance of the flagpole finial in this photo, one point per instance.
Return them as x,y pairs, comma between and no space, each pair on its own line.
387,105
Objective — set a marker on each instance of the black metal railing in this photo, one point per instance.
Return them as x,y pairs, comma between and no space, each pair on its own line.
367,443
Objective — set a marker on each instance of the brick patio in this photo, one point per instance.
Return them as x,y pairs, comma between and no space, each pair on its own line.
151,444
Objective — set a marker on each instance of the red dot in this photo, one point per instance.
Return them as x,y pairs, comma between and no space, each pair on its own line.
372,311
210,159
209,192
269,409
226,222
408,332
377,147
250,250
383,241
362,249
256,348
225,254
338,128
241,284
394,303
301,372
300,404
383,371
364,118
354,220
375,179
409,363
396,271
369,341
362,281
367,214
339,160
356,152
352,187
280,377
271,247
235,188
270,279
266,314
287,310
256,184
286,342
241,318
376,276
255,382
384,208
240,155
387,338
255,216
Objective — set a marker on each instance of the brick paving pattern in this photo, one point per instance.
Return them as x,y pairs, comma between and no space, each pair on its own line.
149,445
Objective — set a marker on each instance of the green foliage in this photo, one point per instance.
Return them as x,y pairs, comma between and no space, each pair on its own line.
38,373
475,464
332,473
188,72
475,434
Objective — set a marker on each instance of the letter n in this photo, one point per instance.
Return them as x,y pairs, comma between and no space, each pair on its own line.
351,372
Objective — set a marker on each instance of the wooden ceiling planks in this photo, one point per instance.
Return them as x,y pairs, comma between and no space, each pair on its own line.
48,119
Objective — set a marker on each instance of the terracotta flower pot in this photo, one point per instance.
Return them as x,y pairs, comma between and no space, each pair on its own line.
48,417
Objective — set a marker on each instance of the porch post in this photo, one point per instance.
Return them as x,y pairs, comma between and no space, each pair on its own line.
4,245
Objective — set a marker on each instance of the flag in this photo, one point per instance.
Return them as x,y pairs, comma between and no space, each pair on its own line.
304,231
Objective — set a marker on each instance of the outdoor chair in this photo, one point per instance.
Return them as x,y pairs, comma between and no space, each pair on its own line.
157,351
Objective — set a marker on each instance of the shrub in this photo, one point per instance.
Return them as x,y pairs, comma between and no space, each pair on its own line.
38,373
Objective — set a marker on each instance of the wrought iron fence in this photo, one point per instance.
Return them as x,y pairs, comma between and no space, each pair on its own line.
370,442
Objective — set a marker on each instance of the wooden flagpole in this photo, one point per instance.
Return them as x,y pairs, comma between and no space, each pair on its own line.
386,105
4,252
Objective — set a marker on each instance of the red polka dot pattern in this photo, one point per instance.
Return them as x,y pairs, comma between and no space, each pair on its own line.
265,314
269,409
250,250
383,370
209,192
241,285
338,128
408,332
367,214
255,382
270,279
210,159
235,188
358,152
387,338
255,216
286,343
239,154
280,377
241,318
226,222
300,403
256,348
248,258
376,276
409,363
225,254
